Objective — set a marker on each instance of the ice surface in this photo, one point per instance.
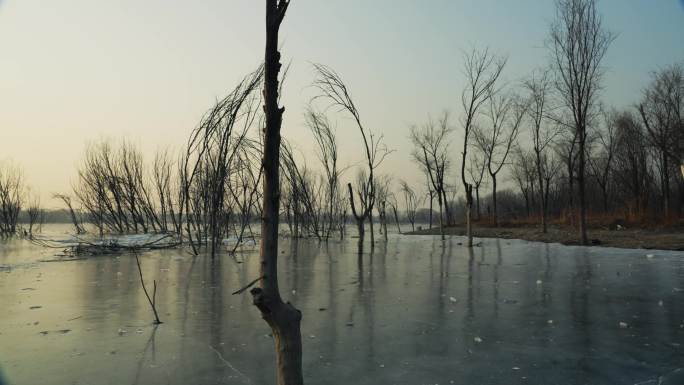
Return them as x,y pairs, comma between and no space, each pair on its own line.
389,316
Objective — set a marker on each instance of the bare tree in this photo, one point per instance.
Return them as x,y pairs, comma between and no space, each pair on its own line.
211,155
383,194
601,162
326,141
544,132
303,195
114,189
476,171
33,213
152,300
631,162
430,144
661,112
482,70
394,205
243,185
578,45
283,318
12,195
333,89
162,173
565,148
523,174
505,114
74,218
411,203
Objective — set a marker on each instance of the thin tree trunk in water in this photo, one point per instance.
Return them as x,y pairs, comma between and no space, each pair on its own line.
396,219
384,226
469,225
283,318
431,209
496,213
583,209
372,234
477,199
469,215
542,193
359,219
447,212
441,217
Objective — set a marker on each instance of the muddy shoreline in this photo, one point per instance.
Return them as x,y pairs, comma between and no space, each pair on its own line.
661,239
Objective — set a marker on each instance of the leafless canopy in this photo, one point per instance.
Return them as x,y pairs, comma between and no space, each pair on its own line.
578,43
430,151
482,70
12,195
213,154
332,89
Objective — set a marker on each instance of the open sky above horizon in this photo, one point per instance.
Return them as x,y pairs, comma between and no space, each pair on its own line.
76,71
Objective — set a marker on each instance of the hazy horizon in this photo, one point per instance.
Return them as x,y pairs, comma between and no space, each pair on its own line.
78,71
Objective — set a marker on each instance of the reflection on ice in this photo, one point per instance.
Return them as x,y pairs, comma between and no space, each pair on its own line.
415,310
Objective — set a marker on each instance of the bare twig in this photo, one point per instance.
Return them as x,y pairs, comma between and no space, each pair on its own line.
152,300
240,291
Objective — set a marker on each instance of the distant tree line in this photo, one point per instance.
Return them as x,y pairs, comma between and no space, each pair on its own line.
543,148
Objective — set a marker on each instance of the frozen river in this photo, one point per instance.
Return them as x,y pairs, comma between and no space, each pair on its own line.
414,311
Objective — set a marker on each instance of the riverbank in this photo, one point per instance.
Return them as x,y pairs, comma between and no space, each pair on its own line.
662,239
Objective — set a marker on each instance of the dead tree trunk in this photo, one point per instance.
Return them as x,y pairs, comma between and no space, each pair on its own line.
431,200
396,218
469,214
359,218
283,318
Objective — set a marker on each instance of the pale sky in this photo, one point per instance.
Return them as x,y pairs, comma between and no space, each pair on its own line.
73,71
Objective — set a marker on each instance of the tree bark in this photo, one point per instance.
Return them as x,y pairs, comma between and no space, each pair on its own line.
283,318
496,212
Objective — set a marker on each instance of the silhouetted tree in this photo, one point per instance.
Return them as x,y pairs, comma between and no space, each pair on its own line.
544,133
578,45
430,144
601,162
283,318
482,70
505,115
12,195
476,172
333,89
661,112
326,141
411,203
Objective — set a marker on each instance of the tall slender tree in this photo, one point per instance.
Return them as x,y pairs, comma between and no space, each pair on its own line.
430,143
578,44
333,89
495,141
283,318
482,69
661,112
